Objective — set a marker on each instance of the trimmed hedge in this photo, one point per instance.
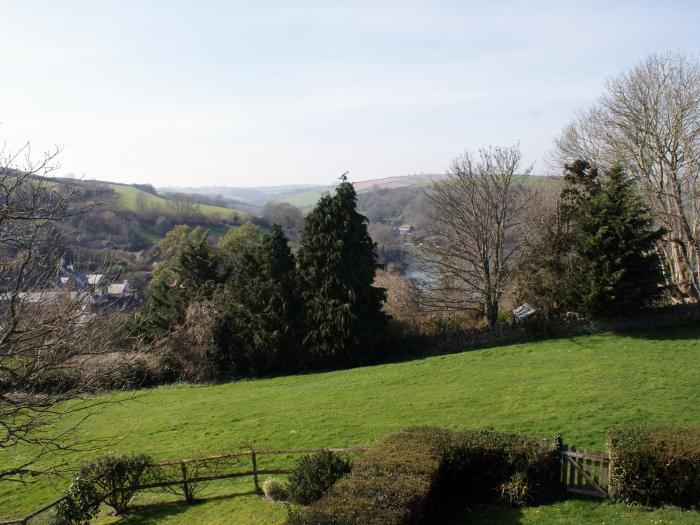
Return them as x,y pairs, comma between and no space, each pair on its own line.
418,474
655,466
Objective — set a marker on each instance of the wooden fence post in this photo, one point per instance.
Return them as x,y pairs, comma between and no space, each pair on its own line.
255,470
186,485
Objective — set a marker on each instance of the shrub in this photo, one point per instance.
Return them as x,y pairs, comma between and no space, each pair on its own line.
418,474
656,466
315,474
79,506
114,478
274,489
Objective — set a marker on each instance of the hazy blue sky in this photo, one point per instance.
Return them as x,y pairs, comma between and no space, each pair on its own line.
253,93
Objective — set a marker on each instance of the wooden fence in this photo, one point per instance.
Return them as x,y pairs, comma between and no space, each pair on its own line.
189,477
584,472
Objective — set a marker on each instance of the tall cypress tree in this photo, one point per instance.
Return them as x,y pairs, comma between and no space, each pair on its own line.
258,334
337,260
619,269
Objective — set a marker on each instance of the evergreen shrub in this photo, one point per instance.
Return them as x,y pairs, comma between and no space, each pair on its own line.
314,474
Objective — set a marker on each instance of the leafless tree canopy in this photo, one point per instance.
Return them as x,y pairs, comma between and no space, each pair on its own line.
649,118
476,220
44,329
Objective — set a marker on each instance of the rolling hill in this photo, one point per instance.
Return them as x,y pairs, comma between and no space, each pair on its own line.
306,196
132,198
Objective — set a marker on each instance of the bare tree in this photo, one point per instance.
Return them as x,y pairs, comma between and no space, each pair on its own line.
289,217
472,244
649,118
183,207
45,328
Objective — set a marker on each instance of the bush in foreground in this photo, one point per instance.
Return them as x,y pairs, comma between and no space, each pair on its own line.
655,466
112,479
419,474
274,489
315,474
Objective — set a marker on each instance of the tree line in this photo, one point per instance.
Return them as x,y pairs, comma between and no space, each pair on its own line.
623,231
249,306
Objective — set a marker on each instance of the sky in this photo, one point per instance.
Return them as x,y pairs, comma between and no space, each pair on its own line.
204,93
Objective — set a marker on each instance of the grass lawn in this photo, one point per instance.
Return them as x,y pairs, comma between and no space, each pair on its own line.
578,386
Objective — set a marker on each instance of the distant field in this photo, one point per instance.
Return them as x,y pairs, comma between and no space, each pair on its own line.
578,386
129,198
304,199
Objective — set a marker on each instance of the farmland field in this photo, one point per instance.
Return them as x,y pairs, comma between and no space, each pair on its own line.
129,196
577,386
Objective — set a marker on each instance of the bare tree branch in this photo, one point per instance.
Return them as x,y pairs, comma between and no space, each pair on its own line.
473,242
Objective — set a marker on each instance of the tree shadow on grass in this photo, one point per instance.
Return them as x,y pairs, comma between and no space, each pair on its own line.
152,513
485,515
673,333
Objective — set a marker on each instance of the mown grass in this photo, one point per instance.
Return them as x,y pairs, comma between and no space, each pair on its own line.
577,386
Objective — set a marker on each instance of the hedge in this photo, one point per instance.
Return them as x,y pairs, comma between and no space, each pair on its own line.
418,474
655,466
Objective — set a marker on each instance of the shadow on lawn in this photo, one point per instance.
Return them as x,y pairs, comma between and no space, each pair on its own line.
151,513
677,333
486,515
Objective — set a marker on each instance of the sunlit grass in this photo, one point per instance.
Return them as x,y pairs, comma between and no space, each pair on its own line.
578,386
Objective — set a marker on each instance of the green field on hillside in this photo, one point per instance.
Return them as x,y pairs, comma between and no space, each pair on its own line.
130,196
577,386
304,199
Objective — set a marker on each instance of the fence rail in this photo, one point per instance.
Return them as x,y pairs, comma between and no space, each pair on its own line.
188,479
583,472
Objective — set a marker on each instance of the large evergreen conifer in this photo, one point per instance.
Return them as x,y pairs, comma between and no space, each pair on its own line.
337,261
258,334
618,267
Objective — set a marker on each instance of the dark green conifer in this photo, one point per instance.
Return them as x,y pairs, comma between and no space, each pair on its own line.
618,267
258,334
189,275
337,260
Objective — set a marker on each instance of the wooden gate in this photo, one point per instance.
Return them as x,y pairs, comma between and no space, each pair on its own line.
584,472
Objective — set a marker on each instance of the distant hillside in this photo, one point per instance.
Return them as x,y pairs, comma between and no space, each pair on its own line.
134,199
257,196
306,196
302,195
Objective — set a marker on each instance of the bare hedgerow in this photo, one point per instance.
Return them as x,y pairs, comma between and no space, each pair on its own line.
189,351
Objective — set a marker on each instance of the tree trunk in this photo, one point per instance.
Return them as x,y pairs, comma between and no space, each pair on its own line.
491,312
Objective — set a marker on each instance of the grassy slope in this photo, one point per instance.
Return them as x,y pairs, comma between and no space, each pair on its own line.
128,199
576,386
304,199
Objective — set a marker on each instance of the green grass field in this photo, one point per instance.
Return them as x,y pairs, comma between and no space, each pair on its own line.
129,198
305,199
577,386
